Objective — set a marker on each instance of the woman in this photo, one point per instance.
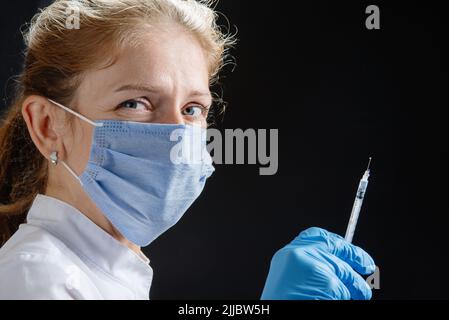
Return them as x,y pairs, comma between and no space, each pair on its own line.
88,174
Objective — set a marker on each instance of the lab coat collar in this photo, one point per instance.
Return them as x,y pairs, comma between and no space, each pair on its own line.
91,243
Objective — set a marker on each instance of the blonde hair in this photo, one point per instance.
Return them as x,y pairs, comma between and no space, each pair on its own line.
57,56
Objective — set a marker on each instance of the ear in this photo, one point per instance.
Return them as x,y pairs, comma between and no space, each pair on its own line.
40,117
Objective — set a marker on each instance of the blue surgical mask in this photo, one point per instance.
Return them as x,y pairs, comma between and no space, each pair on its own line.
144,176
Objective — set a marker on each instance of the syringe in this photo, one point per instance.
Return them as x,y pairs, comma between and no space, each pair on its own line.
357,204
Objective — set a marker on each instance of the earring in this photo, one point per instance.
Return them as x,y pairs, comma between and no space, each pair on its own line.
54,157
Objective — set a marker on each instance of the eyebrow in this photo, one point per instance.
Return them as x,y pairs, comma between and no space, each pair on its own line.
142,87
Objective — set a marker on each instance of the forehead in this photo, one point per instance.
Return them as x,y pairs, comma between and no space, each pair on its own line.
169,58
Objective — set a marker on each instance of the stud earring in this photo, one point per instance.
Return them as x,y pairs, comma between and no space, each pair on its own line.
54,157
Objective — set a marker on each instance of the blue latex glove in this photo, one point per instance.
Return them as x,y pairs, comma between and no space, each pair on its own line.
319,265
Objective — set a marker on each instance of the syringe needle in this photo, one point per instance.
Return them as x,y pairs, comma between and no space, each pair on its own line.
369,163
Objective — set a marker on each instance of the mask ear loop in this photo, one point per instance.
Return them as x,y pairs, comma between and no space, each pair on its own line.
96,124
54,160
54,154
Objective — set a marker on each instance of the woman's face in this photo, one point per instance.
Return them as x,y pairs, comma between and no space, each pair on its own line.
163,80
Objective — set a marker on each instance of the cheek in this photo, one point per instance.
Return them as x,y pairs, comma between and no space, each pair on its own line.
204,124
80,151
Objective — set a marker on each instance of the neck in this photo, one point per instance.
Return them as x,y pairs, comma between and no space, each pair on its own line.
83,203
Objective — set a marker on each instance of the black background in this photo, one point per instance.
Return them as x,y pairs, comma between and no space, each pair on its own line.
338,93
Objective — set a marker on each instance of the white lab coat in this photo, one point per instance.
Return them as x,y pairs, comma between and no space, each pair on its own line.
61,254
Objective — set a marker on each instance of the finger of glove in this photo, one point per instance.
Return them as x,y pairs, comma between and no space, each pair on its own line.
355,256
356,285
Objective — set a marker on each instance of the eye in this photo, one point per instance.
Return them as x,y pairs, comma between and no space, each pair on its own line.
194,111
135,104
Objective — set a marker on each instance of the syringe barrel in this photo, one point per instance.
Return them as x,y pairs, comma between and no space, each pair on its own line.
356,207
362,189
353,219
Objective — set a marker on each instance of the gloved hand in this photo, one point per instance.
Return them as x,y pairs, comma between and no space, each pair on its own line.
319,265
